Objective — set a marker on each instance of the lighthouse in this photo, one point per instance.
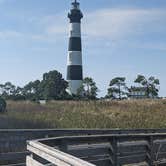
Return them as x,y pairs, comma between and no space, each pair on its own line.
74,59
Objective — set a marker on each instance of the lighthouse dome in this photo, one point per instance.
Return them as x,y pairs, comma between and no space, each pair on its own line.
75,14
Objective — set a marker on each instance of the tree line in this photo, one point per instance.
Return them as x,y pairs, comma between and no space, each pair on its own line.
118,88
53,87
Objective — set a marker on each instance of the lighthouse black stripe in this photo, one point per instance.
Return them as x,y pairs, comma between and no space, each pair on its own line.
75,44
74,72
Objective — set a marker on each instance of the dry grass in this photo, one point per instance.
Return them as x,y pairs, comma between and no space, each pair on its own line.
86,114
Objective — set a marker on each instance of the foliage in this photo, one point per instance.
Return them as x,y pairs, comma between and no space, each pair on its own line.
150,84
117,88
9,91
32,90
52,86
2,105
88,90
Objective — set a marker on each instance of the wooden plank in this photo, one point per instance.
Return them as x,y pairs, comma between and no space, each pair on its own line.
31,162
89,150
47,156
131,148
132,159
102,162
138,164
13,140
19,164
74,140
14,156
160,162
55,156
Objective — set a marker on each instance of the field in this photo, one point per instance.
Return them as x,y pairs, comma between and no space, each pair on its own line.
85,114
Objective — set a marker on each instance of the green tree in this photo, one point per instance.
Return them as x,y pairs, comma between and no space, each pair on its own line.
2,89
117,88
9,87
18,94
2,105
151,84
11,92
8,90
32,90
88,89
53,86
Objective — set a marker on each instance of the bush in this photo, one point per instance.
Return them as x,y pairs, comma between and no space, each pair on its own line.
2,105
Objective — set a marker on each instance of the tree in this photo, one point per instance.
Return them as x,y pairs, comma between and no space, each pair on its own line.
53,86
117,88
88,89
9,88
2,89
32,90
18,94
9,91
2,105
150,84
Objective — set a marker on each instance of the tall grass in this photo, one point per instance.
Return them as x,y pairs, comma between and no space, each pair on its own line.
86,114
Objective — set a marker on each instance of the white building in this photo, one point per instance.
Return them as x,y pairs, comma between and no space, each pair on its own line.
137,93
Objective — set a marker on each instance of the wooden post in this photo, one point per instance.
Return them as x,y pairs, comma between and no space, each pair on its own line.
63,146
114,149
150,151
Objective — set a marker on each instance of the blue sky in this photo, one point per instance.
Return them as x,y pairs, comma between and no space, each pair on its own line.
120,38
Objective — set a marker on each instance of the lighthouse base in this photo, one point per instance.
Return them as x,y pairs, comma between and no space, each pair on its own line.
74,86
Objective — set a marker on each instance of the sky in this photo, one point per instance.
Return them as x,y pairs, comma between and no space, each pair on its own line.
120,38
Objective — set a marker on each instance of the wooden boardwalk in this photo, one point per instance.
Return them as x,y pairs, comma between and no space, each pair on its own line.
13,142
99,150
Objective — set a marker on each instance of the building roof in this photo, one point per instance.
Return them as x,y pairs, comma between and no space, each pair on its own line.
133,88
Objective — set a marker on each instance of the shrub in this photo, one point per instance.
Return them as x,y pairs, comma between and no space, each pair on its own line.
2,105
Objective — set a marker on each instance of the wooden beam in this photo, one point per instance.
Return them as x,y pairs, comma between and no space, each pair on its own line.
55,156
31,162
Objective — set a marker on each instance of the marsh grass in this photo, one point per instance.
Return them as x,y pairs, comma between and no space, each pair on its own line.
86,114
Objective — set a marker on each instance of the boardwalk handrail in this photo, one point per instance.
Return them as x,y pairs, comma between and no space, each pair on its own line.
53,155
13,141
115,149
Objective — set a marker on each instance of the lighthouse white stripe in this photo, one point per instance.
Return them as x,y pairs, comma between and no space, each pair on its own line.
75,30
74,58
74,85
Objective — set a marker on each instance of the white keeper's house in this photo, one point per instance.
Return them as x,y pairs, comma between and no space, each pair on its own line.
137,92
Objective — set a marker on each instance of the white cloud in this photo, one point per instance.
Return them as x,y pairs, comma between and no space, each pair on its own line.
112,24
56,24
12,35
117,23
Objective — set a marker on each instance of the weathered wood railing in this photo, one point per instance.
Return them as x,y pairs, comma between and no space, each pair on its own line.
13,142
51,155
100,150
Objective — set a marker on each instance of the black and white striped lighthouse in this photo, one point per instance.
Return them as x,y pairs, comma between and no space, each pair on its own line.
74,60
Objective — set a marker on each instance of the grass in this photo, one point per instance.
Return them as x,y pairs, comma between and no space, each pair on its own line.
85,114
